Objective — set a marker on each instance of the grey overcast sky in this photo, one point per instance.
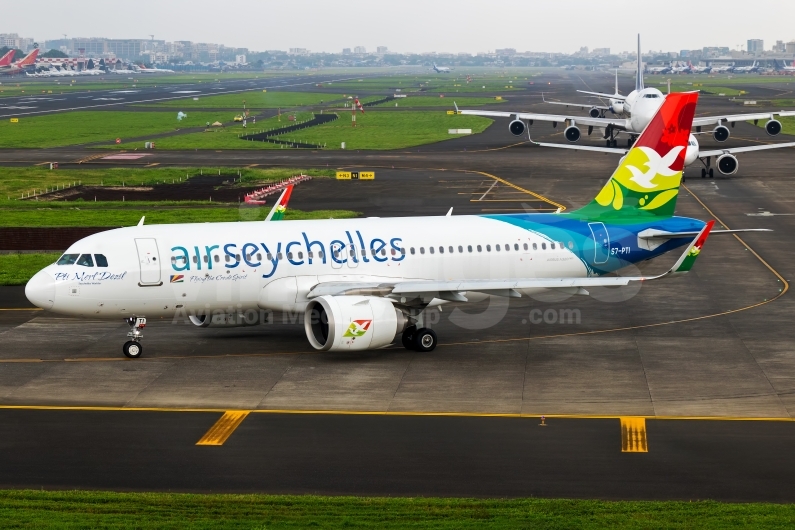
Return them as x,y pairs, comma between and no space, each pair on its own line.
412,25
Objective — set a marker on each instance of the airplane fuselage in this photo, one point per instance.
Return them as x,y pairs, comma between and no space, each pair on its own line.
165,270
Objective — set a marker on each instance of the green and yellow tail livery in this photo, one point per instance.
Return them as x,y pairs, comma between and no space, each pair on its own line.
646,182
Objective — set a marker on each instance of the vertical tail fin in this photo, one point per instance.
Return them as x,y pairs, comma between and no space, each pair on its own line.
646,182
7,58
639,75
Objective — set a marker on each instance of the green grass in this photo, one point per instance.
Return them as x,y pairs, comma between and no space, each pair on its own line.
388,130
79,509
96,126
15,181
129,213
436,101
17,269
254,100
221,137
784,103
11,88
446,83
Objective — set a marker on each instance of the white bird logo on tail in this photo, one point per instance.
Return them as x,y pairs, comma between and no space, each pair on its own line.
658,165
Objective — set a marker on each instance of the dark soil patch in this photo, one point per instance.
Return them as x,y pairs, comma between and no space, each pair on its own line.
221,188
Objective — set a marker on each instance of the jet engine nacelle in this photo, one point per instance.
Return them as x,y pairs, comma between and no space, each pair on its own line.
594,112
728,164
773,127
572,133
349,323
721,133
517,127
226,320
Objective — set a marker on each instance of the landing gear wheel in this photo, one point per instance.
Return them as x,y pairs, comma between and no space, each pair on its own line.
408,337
425,340
703,173
132,349
629,142
615,143
710,173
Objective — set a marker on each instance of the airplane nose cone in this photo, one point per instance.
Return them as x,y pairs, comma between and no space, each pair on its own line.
40,290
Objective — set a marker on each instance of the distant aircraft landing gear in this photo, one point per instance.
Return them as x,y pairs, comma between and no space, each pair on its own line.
132,348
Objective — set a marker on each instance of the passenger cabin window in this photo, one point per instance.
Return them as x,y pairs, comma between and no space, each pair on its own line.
412,251
422,250
488,248
431,249
552,246
543,246
469,248
535,246
85,260
68,259
516,246
441,250
525,246
480,249
497,248
461,249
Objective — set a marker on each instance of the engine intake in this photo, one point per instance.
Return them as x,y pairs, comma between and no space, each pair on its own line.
721,133
572,133
773,127
594,113
517,127
350,323
728,164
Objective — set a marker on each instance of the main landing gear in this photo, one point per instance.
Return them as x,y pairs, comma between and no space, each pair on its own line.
706,170
132,348
423,339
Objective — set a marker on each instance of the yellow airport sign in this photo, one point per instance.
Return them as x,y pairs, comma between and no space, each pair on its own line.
14,120
264,90
498,98
367,175
450,112
343,175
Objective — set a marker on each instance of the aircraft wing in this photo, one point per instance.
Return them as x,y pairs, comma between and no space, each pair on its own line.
593,148
602,95
731,118
718,152
580,105
617,123
453,290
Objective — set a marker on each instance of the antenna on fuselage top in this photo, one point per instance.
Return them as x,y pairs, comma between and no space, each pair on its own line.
141,222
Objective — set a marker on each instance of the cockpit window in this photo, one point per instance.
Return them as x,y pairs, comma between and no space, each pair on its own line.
101,260
651,96
68,259
85,260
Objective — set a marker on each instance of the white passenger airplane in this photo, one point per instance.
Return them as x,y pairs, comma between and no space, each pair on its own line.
362,282
441,69
638,107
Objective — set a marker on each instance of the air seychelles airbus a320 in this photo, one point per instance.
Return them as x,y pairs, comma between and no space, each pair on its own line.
363,282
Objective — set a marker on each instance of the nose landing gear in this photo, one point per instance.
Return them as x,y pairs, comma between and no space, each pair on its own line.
132,348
